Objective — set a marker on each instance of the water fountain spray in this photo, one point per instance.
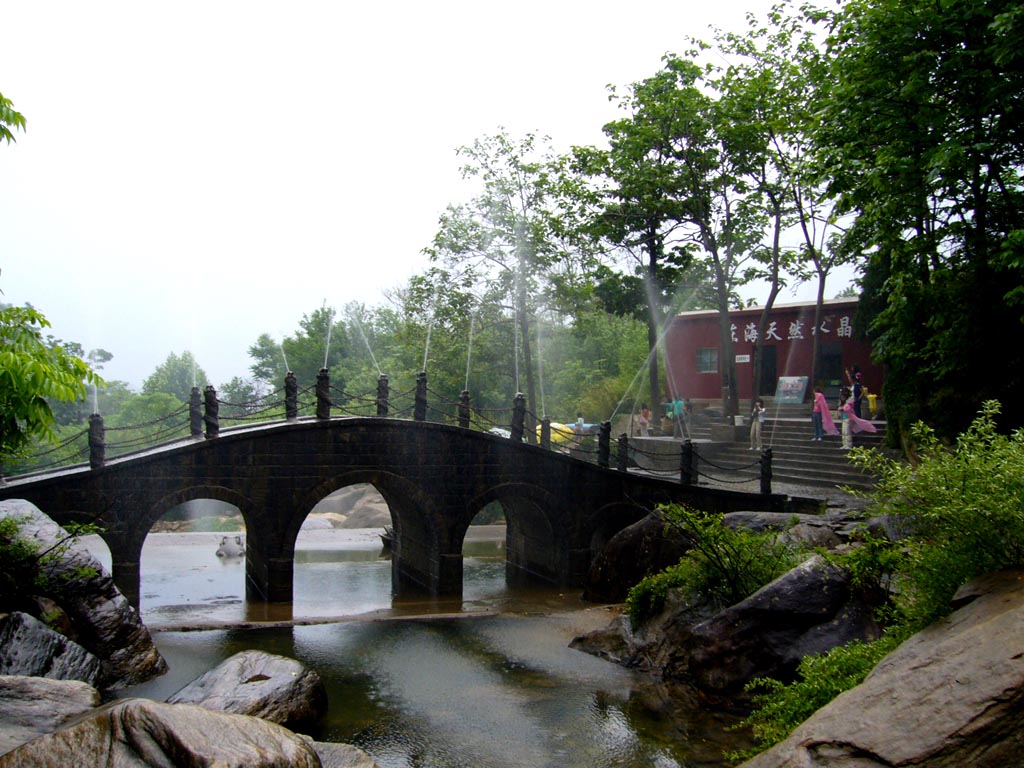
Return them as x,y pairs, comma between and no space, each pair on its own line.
366,341
330,326
469,350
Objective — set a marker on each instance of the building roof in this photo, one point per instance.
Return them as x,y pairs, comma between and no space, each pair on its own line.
827,303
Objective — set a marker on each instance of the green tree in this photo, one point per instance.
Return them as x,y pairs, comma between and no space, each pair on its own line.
176,376
919,134
503,241
10,120
32,373
321,341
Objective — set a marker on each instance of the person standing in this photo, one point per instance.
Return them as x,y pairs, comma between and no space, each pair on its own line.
853,423
756,420
821,416
645,421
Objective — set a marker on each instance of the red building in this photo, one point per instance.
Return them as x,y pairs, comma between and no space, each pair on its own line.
693,356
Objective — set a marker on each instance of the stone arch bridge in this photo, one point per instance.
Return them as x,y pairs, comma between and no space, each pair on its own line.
435,478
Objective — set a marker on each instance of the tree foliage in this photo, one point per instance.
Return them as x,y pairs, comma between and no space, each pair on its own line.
10,120
32,373
920,137
176,376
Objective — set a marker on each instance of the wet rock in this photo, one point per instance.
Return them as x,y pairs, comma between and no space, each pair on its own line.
33,706
264,685
29,647
808,610
950,696
137,733
106,625
342,756
641,549
231,546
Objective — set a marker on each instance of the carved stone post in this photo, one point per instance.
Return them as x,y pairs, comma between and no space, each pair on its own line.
383,395
766,470
195,412
518,416
622,453
97,442
212,412
291,396
464,409
604,445
323,394
420,409
686,475
545,433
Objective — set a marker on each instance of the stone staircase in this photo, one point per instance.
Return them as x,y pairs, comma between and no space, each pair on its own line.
796,458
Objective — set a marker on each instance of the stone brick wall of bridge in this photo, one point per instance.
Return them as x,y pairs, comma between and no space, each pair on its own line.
435,479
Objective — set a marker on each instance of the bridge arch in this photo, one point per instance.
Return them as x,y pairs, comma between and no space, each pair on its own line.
421,558
536,538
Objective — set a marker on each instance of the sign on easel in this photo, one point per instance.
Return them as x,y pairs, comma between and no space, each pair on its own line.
791,389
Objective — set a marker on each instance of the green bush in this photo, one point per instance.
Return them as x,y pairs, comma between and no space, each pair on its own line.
961,506
723,566
26,569
781,707
962,510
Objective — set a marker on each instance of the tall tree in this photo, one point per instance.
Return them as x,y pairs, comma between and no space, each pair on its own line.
921,132
176,376
321,341
502,239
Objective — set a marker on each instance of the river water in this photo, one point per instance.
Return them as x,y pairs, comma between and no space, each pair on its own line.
486,681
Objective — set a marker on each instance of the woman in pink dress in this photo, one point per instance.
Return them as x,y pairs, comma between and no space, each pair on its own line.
821,416
853,423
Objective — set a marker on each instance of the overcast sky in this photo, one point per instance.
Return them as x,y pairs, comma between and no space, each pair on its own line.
195,174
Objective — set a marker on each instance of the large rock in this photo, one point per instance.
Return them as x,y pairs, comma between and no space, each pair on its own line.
137,733
950,696
342,756
106,624
33,706
29,647
808,610
275,688
634,552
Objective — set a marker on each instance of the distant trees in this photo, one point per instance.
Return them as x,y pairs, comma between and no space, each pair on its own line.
176,376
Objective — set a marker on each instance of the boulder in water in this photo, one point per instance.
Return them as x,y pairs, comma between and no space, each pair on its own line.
264,685
231,546
33,706
105,623
138,733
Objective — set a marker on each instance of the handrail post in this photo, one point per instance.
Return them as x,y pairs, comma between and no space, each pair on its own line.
212,412
604,444
464,409
420,408
545,433
686,463
766,470
383,395
323,394
291,396
97,442
622,453
195,412
518,417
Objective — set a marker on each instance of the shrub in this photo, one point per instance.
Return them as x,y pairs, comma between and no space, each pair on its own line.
723,566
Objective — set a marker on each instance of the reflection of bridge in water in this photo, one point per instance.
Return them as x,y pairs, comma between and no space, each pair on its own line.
435,478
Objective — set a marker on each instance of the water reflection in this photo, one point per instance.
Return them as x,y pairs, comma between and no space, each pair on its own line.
498,687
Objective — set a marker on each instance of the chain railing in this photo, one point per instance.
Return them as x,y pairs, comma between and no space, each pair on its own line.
201,418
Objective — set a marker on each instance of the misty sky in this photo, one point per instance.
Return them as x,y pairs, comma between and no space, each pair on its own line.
195,174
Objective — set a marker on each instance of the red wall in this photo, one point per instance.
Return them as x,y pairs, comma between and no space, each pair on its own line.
790,331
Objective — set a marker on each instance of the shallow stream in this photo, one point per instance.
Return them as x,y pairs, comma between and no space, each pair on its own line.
486,681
